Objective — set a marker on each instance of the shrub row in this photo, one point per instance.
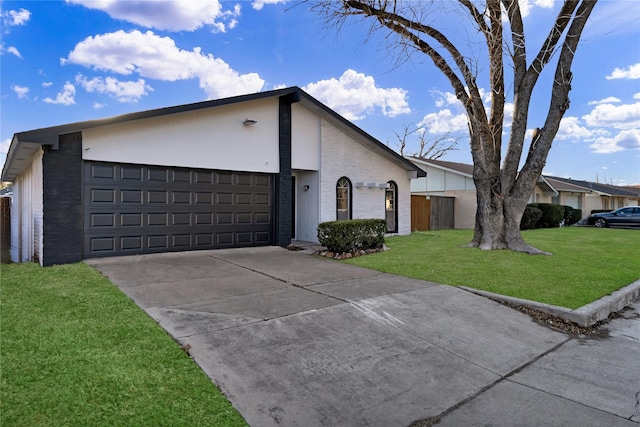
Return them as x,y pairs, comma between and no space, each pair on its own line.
548,215
352,235
530,218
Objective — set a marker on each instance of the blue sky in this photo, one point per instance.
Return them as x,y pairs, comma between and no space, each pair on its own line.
75,60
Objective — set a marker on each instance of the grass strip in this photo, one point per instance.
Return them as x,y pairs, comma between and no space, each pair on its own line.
586,264
75,351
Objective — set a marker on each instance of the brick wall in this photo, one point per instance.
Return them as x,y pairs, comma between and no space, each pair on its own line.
342,156
62,201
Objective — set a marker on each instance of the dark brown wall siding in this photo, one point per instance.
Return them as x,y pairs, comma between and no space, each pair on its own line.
62,201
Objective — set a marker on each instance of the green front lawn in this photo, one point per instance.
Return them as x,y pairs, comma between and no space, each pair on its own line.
586,264
74,351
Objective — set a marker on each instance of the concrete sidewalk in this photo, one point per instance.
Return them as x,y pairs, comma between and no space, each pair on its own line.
297,340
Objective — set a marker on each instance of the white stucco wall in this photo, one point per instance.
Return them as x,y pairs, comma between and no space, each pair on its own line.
343,156
305,139
211,138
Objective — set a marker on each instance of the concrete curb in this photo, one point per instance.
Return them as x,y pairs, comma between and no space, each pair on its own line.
584,316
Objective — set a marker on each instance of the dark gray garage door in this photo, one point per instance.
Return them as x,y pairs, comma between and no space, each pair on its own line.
133,209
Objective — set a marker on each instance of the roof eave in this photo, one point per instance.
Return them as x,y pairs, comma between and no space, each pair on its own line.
49,136
437,166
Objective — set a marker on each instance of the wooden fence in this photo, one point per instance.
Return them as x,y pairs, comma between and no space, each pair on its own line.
434,213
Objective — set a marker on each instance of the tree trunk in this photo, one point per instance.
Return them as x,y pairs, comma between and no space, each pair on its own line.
498,222
499,210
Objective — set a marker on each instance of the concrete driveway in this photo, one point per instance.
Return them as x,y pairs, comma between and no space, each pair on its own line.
295,340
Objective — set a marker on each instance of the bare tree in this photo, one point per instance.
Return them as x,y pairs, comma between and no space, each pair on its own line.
502,188
428,148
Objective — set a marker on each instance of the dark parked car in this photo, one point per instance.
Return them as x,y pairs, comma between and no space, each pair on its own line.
628,216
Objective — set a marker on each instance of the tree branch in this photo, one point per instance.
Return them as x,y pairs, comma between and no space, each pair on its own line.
559,104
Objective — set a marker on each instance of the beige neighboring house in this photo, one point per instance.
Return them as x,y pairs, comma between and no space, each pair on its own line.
568,194
593,195
454,181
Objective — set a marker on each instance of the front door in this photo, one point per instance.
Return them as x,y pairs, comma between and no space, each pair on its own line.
391,208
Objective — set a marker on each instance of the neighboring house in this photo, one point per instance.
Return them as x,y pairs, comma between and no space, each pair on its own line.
259,169
568,194
454,181
601,196
444,180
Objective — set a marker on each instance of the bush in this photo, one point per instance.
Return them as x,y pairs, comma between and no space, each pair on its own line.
530,218
576,215
568,211
352,235
551,215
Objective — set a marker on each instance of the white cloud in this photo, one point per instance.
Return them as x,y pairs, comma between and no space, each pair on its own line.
21,91
98,105
12,50
527,5
15,17
607,100
354,95
625,140
65,96
123,91
47,84
171,15
570,129
4,145
159,58
444,121
449,99
259,4
626,116
631,72
444,98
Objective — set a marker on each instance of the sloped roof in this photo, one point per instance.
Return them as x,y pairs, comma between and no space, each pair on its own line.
565,186
24,144
462,168
609,190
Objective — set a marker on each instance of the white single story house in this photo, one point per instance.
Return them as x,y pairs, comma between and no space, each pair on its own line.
252,170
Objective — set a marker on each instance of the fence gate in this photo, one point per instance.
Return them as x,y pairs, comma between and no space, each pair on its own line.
442,213
420,213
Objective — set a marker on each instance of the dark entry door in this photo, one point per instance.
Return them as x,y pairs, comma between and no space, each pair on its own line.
135,209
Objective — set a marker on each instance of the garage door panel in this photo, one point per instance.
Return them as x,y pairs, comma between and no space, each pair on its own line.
145,209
